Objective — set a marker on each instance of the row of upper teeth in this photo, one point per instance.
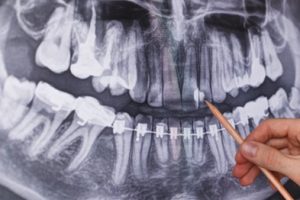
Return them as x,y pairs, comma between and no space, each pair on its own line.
120,63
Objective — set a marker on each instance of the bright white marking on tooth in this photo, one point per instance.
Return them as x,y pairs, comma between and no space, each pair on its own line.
141,130
119,126
294,99
87,65
187,133
274,67
199,132
279,105
54,51
89,110
159,131
55,98
173,133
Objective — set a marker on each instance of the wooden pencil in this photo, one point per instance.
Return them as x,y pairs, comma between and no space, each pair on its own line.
237,137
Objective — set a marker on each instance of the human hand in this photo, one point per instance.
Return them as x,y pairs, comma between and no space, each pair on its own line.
273,145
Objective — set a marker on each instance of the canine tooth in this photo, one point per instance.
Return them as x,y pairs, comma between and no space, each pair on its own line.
123,150
239,66
199,152
273,65
61,104
156,80
279,105
240,117
190,80
187,128
141,146
161,142
16,94
139,87
216,147
54,51
175,141
228,142
87,64
171,90
204,78
258,72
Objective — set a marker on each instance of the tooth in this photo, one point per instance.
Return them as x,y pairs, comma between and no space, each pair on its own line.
59,105
273,65
175,140
216,146
161,141
123,149
88,122
204,79
257,110
155,71
294,99
141,146
190,80
3,72
16,96
216,72
199,151
187,129
239,65
241,120
228,142
171,91
178,9
279,105
139,82
87,64
258,73
226,64
54,51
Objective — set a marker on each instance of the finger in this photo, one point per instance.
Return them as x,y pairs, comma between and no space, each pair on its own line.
239,158
265,156
278,143
274,128
250,177
241,169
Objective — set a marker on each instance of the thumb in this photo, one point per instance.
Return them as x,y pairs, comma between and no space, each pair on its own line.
265,156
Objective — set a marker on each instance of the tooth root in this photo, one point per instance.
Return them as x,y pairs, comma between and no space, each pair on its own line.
141,146
175,140
216,146
199,153
51,54
273,65
88,139
241,76
216,72
279,105
123,150
241,119
87,64
258,72
187,128
171,91
228,142
161,142
155,70
190,81
139,91
204,79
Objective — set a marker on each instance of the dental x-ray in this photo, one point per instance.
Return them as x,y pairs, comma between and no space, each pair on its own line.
104,99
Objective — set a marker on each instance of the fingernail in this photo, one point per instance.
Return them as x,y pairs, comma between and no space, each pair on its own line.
249,149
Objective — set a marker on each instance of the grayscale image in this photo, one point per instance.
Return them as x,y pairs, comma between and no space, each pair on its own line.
104,99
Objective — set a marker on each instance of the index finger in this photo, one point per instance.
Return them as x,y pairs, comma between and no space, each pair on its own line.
274,128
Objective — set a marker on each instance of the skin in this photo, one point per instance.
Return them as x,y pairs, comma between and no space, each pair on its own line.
274,145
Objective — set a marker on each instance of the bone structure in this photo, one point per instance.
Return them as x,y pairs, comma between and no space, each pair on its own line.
113,106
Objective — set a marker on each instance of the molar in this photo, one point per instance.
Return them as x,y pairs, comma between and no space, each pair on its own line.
279,105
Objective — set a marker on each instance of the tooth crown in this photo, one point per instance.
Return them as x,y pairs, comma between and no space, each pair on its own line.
90,111
21,91
57,99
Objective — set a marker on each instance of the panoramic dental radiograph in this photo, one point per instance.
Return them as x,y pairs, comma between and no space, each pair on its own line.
104,99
